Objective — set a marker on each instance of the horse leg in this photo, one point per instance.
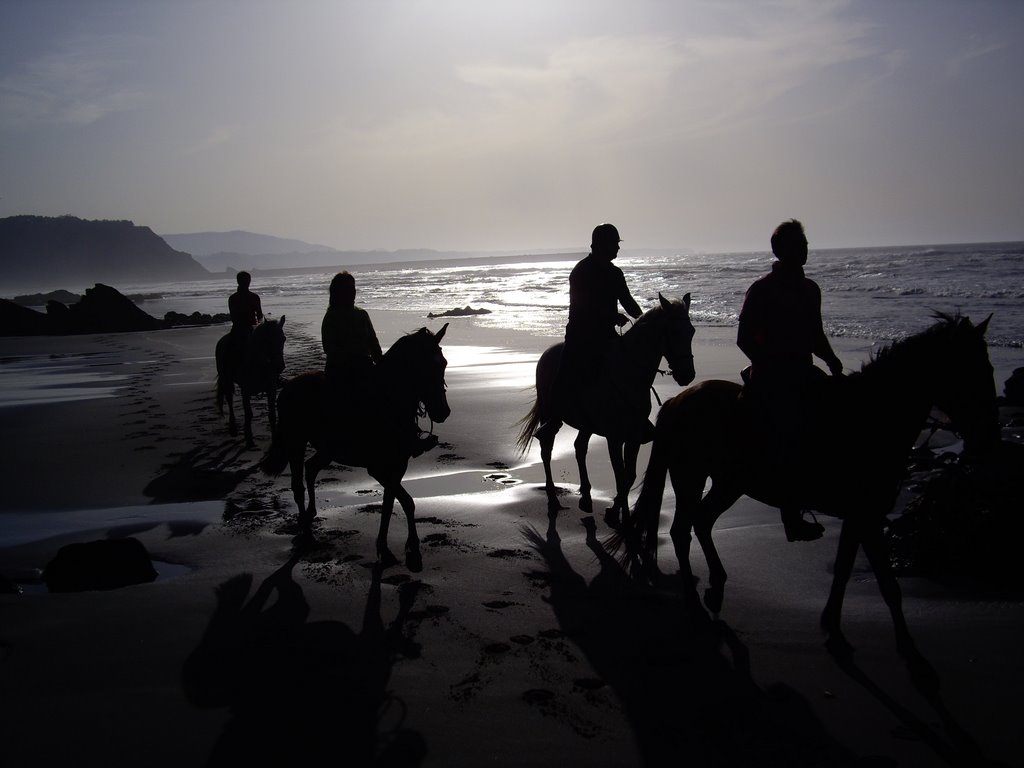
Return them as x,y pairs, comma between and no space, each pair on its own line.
689,488
229,399
413,557
295,462
547,442
385,558
247,410
272,407
623,457
846,553
314,465
878,556
717,500
581,444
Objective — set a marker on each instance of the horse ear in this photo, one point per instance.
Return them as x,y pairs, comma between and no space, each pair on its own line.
983,325
686,302
665,303
440,334
282,321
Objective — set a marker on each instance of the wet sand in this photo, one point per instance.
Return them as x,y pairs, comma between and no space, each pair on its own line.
520,643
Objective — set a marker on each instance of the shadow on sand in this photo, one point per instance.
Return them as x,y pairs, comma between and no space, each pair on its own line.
301,691
684,683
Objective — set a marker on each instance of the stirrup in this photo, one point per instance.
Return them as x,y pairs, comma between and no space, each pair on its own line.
798,529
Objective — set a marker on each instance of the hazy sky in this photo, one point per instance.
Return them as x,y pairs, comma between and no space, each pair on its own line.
486,124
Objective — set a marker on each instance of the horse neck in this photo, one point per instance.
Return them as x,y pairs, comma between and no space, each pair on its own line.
641,346
396,381
900,387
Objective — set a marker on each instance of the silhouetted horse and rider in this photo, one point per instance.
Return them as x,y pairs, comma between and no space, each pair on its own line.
362,413
600,383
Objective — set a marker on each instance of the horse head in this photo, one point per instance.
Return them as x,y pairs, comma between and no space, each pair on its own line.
433,396
966,389
417,359
678,337
268,344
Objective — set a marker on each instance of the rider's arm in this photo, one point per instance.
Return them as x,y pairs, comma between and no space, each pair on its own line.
822,348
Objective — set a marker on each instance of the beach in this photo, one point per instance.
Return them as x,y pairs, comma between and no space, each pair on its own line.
522,642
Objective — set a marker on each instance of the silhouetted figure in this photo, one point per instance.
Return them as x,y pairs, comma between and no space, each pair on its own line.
246,313
596,289
352,350
780,329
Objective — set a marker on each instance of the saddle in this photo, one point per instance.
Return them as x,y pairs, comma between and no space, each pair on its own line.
789,422
360,420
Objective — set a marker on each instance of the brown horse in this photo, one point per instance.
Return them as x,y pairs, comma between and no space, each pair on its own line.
707,432
665,331
256,371
411,373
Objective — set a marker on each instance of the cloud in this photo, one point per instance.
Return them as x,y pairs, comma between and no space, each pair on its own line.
976,48
80,84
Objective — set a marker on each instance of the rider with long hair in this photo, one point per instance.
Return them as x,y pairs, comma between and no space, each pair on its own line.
353,351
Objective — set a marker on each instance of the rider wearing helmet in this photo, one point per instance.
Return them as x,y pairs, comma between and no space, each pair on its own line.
596,289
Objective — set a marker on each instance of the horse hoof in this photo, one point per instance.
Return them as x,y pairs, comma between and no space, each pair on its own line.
923,674
612,519
713,597
839,647
386,559
587,505
414,560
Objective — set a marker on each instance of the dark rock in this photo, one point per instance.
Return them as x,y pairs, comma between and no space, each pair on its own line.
172,319
103,564
16,320
464,312
102,310
1013,389
41,299
965,528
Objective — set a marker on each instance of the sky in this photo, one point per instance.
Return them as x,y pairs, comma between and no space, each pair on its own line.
492,124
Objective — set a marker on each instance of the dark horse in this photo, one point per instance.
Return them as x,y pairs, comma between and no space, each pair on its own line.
411,373
256,371
706,432
665,331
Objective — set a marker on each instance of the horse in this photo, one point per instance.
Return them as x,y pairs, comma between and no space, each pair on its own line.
708,432
410,373
664,331
257,371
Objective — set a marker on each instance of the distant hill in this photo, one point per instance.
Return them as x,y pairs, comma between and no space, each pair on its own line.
220,251
201,244
42,253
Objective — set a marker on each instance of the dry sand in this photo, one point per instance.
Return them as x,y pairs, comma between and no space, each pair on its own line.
520,642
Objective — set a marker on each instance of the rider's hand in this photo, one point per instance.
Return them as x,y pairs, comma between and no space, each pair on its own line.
621,320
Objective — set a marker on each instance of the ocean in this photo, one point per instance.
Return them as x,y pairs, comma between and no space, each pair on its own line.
879,294
874,294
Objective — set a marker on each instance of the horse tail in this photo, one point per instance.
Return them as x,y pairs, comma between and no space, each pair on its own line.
529,423
547,369
276,458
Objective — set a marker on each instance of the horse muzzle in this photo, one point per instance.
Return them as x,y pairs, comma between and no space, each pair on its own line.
439,411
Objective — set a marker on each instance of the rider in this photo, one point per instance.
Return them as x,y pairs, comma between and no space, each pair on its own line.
780,328
246,313
352,350
596,288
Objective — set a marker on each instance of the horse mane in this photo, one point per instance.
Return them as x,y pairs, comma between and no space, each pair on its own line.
650,316
912,348
404,344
